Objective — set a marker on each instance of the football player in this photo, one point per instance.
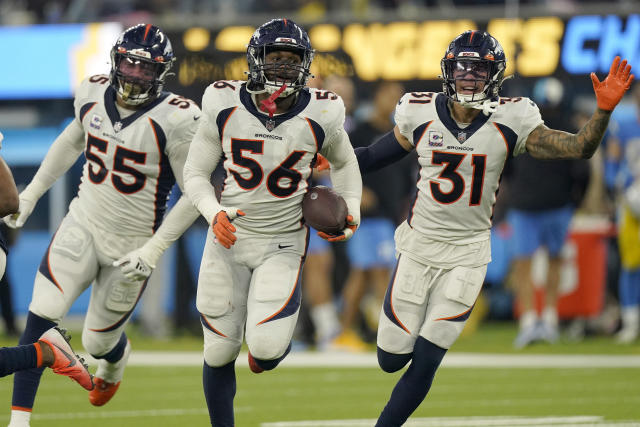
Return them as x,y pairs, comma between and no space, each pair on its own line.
463,136
266,132
135,138
8,203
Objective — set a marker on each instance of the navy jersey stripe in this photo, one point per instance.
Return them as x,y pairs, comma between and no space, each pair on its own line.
459,317
210,327
3,244
293,303
510,137
45,268
418,133
166,179
222,118
85,109
318,132
388,303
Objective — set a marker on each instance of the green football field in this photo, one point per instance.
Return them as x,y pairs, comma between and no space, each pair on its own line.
516,390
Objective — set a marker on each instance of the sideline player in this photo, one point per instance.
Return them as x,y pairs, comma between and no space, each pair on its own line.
267,133
463,138
136,139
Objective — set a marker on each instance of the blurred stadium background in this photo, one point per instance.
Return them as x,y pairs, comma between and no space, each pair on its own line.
552,46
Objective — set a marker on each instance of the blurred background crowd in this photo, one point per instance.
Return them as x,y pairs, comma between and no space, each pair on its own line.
584,279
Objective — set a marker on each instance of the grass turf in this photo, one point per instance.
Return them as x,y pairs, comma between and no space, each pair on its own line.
172,396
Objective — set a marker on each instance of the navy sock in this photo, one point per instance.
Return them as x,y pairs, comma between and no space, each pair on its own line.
18,358
414,385
268,365
116,352
26,382
219,391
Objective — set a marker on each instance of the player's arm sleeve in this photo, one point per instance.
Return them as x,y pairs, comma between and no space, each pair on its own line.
204,154
382,153
62,154
345,174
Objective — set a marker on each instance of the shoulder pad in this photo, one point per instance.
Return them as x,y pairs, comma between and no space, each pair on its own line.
326,107
220,95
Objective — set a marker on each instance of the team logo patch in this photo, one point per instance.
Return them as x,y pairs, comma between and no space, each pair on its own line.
435,138
270,125
117,127
96,121
462,137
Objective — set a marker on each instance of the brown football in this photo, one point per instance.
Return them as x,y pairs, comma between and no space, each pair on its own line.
324,209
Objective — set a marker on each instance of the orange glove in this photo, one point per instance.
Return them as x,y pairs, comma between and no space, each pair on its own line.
223,229
322,163
610,91
344,235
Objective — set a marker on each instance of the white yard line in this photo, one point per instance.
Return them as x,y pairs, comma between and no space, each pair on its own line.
368,360
576,421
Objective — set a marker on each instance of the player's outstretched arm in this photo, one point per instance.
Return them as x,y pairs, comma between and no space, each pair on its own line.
63,153
545,143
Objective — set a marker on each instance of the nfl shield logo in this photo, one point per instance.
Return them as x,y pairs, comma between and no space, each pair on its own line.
462,137
270,125
118,127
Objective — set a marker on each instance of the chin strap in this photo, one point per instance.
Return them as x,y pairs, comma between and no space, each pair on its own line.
269,104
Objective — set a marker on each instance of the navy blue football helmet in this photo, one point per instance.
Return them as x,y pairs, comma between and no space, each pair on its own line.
480,57
278,35
144,46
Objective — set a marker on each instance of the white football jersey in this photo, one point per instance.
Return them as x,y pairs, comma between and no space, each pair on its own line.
460,168
127,177
267,160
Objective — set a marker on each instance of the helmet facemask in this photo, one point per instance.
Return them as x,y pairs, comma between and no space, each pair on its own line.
267,76
472,73
137,79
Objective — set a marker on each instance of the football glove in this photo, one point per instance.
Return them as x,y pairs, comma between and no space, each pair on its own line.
135,266
25,207
322,163
222,227
611,90
345,234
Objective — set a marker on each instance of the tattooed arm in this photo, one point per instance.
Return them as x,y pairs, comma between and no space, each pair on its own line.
545,143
